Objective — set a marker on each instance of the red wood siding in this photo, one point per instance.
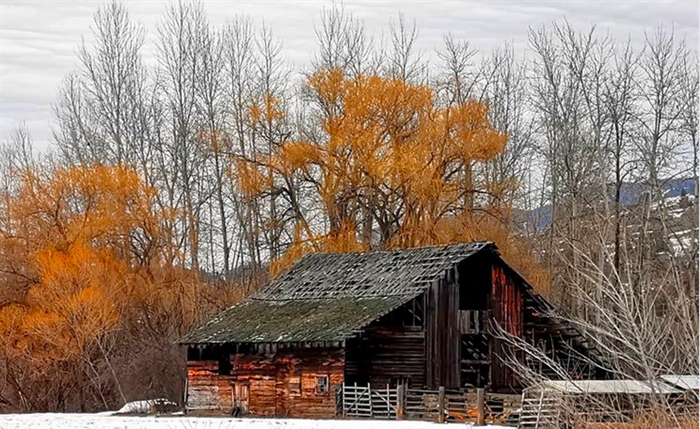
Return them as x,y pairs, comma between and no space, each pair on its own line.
283,385
507,310
206,390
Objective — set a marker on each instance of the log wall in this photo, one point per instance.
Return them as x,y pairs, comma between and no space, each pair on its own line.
207,392
280,385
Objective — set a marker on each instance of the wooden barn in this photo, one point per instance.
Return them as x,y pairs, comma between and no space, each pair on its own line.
421,317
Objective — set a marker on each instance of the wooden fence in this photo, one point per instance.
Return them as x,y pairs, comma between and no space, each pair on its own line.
363,401
440,405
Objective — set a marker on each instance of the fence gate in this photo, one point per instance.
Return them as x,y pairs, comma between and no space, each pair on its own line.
540,410
363,401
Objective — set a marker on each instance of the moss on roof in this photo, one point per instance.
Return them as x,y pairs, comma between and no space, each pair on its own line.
255,321
329,297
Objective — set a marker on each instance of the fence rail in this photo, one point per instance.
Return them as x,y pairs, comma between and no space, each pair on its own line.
363,401
438,405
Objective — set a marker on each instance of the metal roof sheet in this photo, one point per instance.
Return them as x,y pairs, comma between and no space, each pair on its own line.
607,386
684,382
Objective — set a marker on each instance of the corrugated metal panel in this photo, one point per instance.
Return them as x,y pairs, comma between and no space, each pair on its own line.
684,382
606,386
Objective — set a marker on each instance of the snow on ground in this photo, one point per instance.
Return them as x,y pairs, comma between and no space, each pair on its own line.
105,421
143,407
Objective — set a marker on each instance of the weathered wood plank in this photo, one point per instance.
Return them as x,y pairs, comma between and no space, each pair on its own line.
283,385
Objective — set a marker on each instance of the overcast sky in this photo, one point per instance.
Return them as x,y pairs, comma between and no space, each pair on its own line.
38,38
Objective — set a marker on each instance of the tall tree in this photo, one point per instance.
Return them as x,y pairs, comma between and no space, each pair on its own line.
396,156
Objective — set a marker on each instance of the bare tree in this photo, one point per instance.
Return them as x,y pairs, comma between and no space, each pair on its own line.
660,85
343,43
620,98
507,101
566,62
239,75
111,72
405,62
461,77
179,56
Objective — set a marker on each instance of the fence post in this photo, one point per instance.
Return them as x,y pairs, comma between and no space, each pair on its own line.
480,406
467,405
399,401
388,401
342,400
371,408
441,404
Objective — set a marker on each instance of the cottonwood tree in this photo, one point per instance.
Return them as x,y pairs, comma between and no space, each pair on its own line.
344,43
620,97
239,70
404,61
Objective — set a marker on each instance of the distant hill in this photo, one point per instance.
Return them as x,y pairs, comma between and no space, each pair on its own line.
631,193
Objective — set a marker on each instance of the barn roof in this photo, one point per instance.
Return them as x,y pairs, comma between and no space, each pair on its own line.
331,296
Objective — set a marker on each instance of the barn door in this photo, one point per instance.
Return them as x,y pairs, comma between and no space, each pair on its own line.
240,398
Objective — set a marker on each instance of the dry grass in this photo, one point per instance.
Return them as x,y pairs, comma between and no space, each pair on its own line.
651,421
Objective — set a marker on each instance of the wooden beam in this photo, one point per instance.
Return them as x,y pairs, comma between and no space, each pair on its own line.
399,401
441,404
480,406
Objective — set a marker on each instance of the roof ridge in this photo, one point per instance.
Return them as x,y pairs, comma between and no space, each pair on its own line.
407,249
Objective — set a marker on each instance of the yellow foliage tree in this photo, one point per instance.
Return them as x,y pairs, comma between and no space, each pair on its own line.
391,170
88,265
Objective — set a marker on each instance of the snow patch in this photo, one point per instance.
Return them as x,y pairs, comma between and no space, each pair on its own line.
144,407
95,421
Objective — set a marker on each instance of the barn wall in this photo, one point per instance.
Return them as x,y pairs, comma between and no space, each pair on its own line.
384,354
443,333
206,390
282,385
507,310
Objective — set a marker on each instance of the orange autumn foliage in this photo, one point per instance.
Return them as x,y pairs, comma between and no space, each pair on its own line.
391,163
71,227
86,262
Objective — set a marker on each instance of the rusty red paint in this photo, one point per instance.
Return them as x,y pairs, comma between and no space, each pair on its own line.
508,312
282,386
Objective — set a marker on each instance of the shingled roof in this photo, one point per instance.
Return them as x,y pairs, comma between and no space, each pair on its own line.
331,296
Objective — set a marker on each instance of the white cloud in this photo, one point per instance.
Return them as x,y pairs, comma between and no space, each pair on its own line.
38,38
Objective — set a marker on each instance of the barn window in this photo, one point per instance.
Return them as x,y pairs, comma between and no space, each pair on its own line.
322,384
294,386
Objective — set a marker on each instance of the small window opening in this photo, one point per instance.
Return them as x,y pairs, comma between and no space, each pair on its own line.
225,364
322,384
